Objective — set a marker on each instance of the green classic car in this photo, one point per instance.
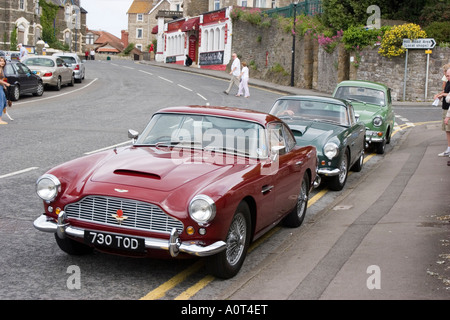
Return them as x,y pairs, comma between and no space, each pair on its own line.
373,105
330,125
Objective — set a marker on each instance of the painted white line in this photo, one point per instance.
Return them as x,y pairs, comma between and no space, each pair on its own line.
165,79
404,119
202,96
410,124
59,95
128,67
113,64
110,147
18,172
184,87
146,72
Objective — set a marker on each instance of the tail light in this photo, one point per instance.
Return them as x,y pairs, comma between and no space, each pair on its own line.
48,74
77,67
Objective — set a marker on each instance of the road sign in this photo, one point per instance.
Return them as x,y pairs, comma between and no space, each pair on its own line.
423,43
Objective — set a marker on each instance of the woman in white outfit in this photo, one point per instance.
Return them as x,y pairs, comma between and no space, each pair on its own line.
243,85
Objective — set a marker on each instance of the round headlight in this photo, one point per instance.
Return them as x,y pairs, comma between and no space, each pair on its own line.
330,150
202,209
47,187
377,121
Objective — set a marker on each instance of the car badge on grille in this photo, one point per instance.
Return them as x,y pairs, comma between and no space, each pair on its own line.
119,216
120,190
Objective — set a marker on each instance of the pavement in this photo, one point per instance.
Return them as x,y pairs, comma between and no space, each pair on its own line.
288,90
385,238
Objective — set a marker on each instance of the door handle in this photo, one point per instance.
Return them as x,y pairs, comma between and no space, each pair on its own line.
266,188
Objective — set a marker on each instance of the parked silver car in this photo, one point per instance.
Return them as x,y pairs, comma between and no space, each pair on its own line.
53,70
74,62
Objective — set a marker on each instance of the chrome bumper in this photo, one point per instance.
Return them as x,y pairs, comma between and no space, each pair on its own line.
328,172
173,245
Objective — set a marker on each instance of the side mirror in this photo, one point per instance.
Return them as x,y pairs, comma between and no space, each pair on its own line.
132,134
275,151
357,116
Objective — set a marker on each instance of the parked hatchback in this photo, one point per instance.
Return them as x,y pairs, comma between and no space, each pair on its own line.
53,70
75,63
22,80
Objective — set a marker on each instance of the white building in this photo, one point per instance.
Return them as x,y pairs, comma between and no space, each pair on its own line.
206,39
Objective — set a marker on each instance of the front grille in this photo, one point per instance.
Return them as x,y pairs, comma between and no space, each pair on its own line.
140,215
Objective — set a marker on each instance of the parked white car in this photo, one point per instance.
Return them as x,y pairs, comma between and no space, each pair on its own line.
74,62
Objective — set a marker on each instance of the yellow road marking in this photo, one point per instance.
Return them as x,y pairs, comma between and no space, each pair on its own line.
160,292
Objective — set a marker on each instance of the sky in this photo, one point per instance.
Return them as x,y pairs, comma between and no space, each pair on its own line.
107,15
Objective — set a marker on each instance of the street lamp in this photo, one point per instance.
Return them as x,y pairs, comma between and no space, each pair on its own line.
293,45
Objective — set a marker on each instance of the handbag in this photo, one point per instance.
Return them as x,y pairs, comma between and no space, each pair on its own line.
8,93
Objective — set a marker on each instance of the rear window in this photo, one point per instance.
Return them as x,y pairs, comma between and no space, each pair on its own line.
42,62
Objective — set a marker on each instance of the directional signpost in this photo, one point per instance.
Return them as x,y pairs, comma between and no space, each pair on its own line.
424,44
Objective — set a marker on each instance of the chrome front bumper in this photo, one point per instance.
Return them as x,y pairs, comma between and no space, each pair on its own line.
173,245
328,172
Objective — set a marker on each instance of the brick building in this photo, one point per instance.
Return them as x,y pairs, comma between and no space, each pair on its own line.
25,15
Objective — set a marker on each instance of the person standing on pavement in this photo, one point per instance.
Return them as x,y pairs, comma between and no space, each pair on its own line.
235,72
243,85
3,85
445,107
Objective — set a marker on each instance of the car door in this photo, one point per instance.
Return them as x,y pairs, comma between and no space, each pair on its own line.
65,72
287,176
355,135
27,81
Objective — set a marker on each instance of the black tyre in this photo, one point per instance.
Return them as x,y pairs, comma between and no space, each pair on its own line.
228,263
72,247
295,218
15,94
380,147
337,183
39,90
58,84
357,167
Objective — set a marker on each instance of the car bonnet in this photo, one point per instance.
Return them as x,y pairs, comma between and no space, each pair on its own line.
155,169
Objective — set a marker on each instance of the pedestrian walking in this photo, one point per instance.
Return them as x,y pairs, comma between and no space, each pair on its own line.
92,54
243,85
4,84
445,107
86,55
235,72
23,52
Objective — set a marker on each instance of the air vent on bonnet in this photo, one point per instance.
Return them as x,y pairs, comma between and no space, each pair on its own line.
137,174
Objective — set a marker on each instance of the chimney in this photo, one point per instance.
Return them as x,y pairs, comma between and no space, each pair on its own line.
124,38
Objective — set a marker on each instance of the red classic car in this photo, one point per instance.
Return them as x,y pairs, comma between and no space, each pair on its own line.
202,181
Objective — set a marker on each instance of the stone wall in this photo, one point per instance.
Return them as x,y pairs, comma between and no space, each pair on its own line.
268,51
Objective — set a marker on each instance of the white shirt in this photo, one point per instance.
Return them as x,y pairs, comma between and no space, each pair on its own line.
236,67
244,73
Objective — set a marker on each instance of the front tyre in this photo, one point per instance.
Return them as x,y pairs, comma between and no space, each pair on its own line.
337,183
295,218
227,263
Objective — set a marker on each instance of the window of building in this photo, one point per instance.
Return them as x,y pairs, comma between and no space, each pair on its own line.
89,38
140,17
22,5
260,3
244,3
139,33
216,4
